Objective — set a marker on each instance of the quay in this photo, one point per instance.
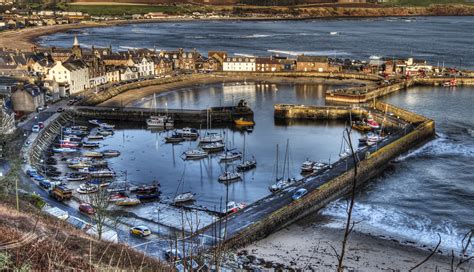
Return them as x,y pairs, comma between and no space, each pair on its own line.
278,210
217,115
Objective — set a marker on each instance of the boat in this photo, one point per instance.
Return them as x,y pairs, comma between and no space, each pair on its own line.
146,189
211,138
451,83
373,124
106,126
174,138
87,188
104,132
307,166
90,145
361,126
188,133
101,173
320,166
213,147
148,196
184,197
79,165
85,128
95,122
64,150
160,121
68,145
229,176
111,153
93,154
246,165
282,182
95,137
117,196
233,207
243,122
100,183
230,155
77,177
346,153
127,202
195,154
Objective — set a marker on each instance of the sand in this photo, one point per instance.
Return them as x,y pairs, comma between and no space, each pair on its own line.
308,246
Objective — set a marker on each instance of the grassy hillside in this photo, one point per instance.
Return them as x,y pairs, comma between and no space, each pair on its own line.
119,10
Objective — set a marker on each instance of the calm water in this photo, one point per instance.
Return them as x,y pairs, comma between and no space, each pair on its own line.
437,39
146,157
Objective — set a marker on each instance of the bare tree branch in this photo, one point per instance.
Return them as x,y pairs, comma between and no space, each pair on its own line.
429,256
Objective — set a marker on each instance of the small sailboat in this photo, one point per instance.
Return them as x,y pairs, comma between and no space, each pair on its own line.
228,176
159,121
174,138
246,165
213,147
209,138
283,183
230,155
195,154
77,177
184,197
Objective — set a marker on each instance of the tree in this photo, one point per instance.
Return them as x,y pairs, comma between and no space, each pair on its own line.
100,201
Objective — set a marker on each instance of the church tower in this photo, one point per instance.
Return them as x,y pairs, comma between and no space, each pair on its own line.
76,48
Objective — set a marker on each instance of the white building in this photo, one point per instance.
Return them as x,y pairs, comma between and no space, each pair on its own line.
239,64
73,72
145,66
128,73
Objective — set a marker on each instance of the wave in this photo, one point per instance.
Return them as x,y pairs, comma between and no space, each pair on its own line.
395,224
127,47
314,53
441,146
256,36
244,55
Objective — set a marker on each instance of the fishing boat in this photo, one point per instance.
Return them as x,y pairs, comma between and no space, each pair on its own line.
76,177
243,122
127,202
228,176
93,154
233,207
95,137
188,133
174,138
195,154
67,144
230,155
64,150
184,197
307,166
111,153
160,121
211,138
361,126
87,188
90,145
213,147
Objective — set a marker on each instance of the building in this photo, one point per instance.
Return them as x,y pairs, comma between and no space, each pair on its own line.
27,98
112,74
145,65
267,64
73,72
163,66
416,66
128,73
7,119
312,64
239,64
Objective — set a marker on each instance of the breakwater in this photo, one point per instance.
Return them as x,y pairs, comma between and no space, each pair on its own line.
421,130
218,115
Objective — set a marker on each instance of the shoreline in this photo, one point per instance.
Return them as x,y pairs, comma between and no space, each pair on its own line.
309,244
27,38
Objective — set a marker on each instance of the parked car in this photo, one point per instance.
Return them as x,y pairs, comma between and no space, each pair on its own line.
86,208
299,193
141,231
35,128
40,109
173,255
31,173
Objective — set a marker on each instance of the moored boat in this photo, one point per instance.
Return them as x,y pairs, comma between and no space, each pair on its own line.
87,188
194,154
228,176
95,137
90,145
230,155
127,202
93,154
213,147
64,150
111,153
174,138
184,197
243,122
307,166
361,126
247,165
77,177
148,196
188,132
211,138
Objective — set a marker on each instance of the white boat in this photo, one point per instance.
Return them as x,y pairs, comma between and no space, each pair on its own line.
160,121
111,153
232,207
281,185
102,173
318,166
229,176
230,156
87,188
345,154
184,197
64,150
213,147
307,166
246,165
95,122
188,132
195,154
106,126
211,138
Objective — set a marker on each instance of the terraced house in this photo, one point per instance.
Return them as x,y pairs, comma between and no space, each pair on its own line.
73,72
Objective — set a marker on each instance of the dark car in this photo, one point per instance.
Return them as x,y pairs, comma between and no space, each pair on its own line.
60,110
86,208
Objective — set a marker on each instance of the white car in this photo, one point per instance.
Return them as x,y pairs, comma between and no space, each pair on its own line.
35,128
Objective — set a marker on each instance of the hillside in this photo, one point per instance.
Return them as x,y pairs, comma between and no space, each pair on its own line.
34,241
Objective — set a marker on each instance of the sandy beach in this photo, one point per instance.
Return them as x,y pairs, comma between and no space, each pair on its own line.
308,245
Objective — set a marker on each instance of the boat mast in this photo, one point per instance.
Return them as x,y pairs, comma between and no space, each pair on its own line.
286,158
276,176
243,151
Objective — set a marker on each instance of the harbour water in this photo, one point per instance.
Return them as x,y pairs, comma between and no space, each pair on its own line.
425,192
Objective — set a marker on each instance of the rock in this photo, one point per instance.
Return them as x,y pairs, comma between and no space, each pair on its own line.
260,261
251,258
268,264
243,252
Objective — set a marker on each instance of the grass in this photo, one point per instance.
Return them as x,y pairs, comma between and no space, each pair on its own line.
121,10
424,3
